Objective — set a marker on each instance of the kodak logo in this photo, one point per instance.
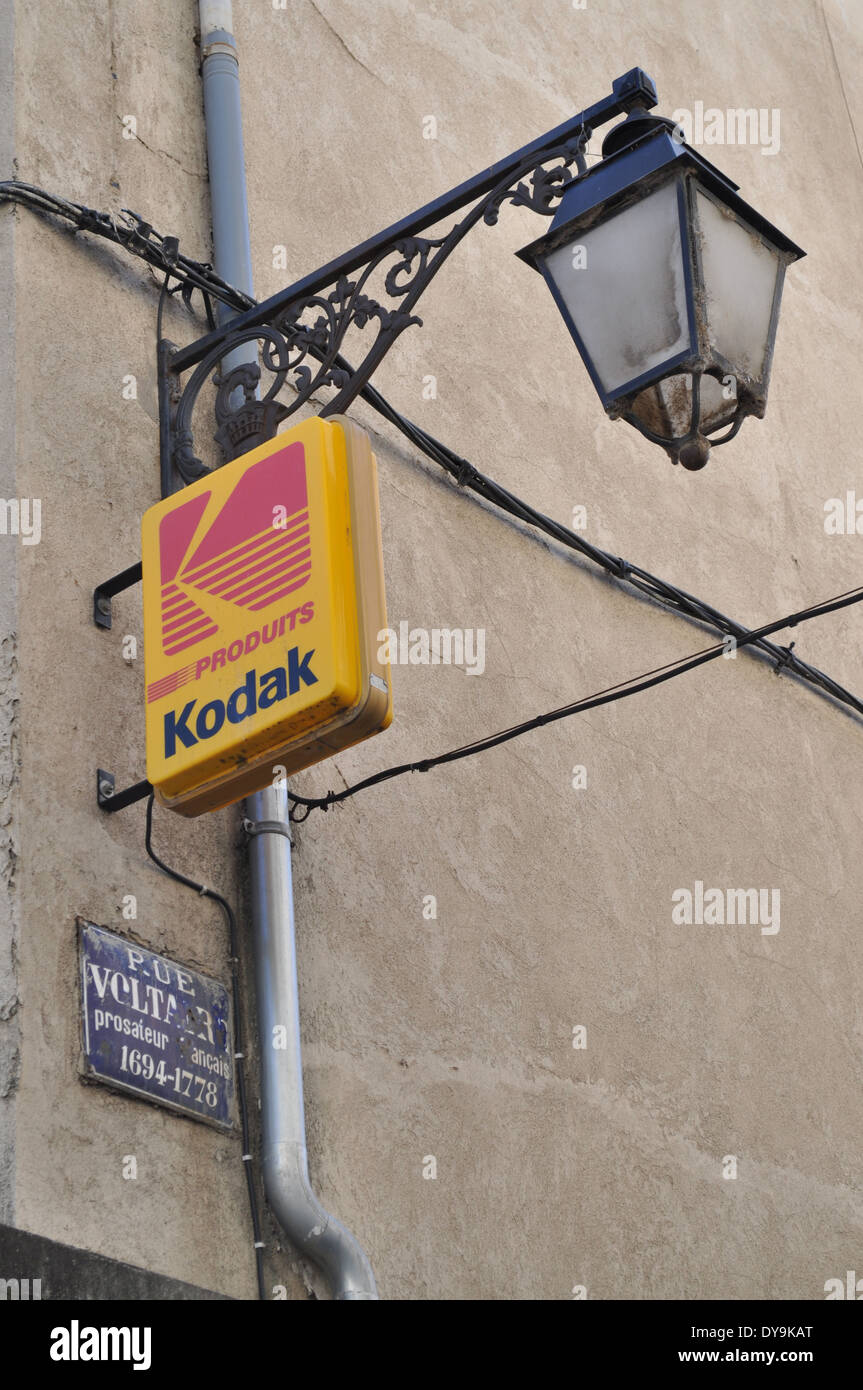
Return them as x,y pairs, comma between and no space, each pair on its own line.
187,729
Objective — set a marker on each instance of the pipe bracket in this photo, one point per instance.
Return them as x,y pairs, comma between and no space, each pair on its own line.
267,827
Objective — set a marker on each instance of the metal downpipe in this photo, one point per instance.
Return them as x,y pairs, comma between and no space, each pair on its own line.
305,1221
286,1177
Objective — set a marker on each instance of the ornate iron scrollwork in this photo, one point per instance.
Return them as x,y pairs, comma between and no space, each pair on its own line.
300,345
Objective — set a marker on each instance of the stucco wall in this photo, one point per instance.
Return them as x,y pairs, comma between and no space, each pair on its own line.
9,745
557,1167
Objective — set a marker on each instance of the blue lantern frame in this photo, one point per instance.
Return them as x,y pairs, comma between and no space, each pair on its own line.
654,159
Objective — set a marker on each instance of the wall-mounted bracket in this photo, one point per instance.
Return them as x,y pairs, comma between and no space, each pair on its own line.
294,339
109,800
104,592
106,797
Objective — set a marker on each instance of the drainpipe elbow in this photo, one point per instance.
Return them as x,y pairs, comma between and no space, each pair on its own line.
312,1229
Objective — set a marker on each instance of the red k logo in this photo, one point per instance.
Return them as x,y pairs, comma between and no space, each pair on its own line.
255,552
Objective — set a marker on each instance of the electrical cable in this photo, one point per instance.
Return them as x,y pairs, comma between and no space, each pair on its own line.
632,686
239,1052
658,590
139,238
134,235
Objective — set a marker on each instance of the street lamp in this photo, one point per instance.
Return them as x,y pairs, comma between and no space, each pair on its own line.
670,285
668,282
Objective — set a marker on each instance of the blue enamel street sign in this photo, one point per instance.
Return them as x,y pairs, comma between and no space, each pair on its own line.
155,1028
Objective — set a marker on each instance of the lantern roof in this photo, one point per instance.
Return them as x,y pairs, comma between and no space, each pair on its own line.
639,167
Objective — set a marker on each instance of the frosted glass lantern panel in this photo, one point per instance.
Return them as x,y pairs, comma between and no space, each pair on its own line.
740,284
666,407
623,285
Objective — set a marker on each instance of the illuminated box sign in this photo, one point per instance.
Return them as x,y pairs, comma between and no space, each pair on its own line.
263,597
155,1028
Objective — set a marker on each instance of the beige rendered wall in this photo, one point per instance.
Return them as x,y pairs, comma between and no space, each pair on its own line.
557,1167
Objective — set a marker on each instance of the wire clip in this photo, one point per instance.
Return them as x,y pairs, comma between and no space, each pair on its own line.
783,660
465,472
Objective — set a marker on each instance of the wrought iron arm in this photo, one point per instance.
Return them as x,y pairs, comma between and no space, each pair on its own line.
301,330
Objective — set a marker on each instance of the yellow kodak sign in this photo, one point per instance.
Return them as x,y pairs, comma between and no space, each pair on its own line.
263,597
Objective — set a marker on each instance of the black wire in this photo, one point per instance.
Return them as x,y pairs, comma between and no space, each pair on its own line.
239,1057
632,686
140,240
135,236
658,590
